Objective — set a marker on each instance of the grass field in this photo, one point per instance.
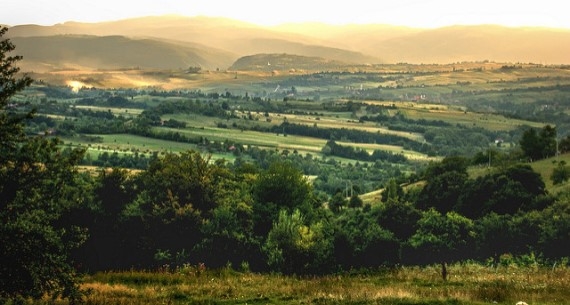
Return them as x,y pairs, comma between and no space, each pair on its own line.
542,167
116,111
128,144
469,284
545,168
260,139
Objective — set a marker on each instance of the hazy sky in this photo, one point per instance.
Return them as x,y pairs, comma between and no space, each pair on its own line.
415,13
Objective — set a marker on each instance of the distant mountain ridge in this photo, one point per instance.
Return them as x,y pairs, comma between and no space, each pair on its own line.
113,52
475,43
176,42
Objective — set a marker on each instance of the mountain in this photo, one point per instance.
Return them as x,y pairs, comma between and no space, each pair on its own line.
229,39
445,45
475,43
176,42
115,52
356,37
221,33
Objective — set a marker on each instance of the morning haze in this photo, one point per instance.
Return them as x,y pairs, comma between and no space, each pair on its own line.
172,42
299,152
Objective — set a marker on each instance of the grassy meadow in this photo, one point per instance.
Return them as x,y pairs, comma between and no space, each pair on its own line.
543,167
469,283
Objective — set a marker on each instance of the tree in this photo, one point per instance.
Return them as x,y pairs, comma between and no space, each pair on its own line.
392,192
564,145
355,202
293,246
508,191
11,124
228,235
108,245
548,141
539,145
38,186
398,217
560,173
494,236
361,242
444,184
337,202
555,228
281,186
178,194
441,237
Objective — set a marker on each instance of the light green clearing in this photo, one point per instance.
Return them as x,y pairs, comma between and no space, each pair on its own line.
267,140
125,144
115,111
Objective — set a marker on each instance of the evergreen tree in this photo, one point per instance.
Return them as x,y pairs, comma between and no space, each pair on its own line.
37,187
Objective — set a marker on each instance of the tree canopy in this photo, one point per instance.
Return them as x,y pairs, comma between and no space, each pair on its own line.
540,144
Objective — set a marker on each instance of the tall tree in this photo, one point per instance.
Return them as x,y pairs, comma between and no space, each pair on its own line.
440,237
281,186
11,127
444,184
293,246
539,145
178,194
37,187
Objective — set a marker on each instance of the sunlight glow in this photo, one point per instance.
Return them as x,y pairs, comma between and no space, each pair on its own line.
75,85
414,13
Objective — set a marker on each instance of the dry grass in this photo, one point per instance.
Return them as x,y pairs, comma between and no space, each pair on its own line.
467,284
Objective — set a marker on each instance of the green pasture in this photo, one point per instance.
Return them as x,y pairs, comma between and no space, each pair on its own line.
127,142
483,120
124,144
200,121
542,167
254,138
456,115
116,111
410,154
545,168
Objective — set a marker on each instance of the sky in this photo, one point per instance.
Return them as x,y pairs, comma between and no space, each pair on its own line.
414,13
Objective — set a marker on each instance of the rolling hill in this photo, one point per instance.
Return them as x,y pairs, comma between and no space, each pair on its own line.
174,42
280,62
476,43
260,46
115,52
